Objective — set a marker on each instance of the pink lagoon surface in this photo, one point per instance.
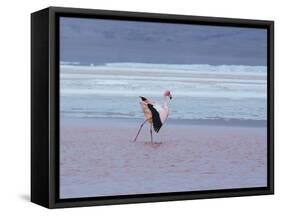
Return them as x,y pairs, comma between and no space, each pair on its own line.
99,158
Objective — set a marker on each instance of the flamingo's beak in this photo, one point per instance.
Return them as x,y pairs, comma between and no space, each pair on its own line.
170,97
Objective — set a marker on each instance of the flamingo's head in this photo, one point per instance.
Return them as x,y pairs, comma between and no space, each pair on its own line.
168,94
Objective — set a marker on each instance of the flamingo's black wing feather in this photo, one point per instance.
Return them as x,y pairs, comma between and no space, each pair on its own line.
143,98
157,124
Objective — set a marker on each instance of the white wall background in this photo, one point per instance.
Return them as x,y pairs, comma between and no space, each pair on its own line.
15,106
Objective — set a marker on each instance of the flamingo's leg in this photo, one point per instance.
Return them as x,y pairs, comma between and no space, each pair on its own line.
140,129
151,134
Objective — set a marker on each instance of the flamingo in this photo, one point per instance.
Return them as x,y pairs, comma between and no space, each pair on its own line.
154,113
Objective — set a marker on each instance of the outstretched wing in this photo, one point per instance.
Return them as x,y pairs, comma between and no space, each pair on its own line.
156,120
146,111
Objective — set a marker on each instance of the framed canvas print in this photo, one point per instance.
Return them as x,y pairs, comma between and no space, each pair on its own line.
139,107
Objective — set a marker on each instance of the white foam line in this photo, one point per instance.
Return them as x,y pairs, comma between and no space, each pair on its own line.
234,70
152,78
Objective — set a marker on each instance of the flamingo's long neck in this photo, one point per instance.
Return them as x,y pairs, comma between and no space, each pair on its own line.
165,101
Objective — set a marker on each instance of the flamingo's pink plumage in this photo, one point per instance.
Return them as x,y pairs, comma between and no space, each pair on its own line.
154,113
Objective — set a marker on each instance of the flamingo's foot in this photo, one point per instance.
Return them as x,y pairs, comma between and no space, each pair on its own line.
157,143
153,143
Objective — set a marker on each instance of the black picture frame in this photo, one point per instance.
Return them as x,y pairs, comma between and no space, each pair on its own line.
45,109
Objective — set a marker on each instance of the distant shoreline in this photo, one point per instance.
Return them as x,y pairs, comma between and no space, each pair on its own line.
174,122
